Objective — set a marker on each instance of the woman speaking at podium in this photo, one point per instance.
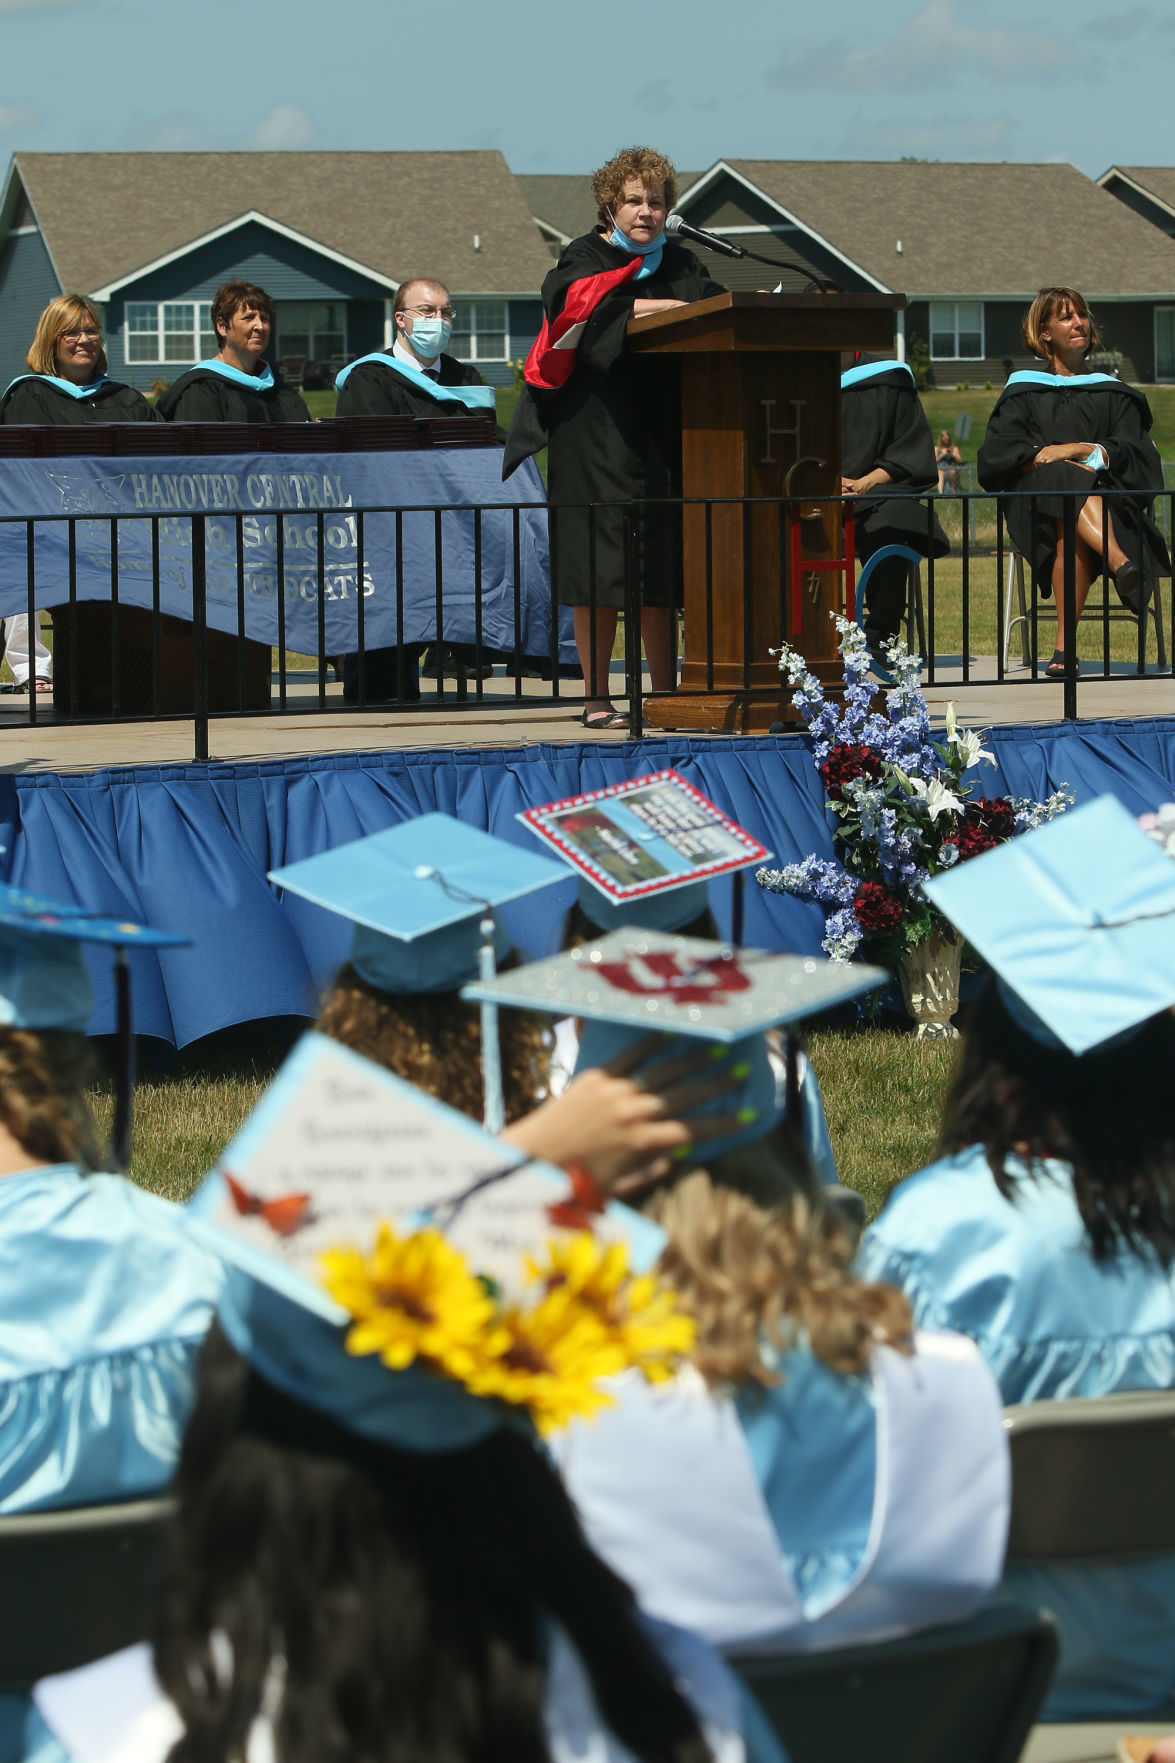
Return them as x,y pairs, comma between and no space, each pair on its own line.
611,421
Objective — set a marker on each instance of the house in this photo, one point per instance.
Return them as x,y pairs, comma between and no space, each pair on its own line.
1150,191
968,244
563,208
149,237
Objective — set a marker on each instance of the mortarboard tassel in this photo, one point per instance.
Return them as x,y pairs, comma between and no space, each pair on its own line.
493,1106
124,1065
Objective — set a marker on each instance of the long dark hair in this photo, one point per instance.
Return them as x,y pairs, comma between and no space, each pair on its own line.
1108,1114
404,1593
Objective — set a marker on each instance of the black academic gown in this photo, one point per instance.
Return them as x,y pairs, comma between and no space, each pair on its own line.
613,433
1036,409
203,395
373,389
38,400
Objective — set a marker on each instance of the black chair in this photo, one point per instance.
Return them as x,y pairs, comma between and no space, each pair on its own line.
964,1693
76,1585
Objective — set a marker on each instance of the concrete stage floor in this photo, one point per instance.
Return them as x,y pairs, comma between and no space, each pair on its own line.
499,721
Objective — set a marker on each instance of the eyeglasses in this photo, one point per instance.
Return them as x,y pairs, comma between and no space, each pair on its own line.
429,311
76,336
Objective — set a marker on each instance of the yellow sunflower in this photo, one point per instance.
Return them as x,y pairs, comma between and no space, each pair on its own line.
551,1360
637,1312
413,1297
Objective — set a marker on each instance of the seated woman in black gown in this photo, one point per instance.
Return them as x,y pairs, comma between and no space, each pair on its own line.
236,384
66,383
1065,431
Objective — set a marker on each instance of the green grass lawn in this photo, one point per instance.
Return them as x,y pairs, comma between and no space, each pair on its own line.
883,1093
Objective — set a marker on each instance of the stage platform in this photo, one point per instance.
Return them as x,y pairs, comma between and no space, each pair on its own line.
498,721
121,819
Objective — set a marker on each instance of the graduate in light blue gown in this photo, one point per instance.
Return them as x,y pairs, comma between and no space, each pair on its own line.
1046,1231
104,1297
372,1562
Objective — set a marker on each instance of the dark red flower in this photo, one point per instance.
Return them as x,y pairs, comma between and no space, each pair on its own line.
995,814
972,840
846,761
878,911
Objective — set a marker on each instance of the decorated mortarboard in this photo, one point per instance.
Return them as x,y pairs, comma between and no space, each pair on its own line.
632,982
353,1211
644,849
422,898
1077,919
44,983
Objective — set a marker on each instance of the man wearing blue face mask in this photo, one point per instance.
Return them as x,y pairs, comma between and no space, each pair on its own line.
416,378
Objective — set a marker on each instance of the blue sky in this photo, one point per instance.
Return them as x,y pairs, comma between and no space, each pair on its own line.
559,87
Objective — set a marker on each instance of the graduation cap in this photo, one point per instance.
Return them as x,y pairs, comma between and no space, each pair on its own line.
44,983
376,1244
1077,919
691,988
422,898
644,849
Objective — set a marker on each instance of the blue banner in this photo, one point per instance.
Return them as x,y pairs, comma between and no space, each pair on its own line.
253,492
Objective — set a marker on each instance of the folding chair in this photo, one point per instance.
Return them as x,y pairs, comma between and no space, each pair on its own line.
966,1691
1091,1481
76,1585
1045,614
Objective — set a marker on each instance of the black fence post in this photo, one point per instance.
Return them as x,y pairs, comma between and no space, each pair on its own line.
199,639
1069,593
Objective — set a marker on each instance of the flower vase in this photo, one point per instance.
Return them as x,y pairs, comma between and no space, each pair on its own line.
929,978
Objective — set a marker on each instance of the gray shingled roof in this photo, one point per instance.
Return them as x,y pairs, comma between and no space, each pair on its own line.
972,229
565,202
104,215
1156,180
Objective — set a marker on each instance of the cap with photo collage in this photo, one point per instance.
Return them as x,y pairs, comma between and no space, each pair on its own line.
1077,920
408,1275
633,982
644,849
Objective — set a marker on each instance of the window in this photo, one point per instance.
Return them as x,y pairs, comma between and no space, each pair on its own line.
480,331
956,330
1165,343
314,330
169,330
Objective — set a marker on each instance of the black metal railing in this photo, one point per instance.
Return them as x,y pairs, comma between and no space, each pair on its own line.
189,617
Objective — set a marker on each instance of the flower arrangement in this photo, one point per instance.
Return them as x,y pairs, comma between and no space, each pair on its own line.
903,803
583,1316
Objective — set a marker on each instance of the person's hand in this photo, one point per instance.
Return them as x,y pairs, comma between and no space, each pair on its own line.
646,308
1072,452
860,486
627,1123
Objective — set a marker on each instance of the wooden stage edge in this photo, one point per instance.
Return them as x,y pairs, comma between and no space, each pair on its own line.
499,721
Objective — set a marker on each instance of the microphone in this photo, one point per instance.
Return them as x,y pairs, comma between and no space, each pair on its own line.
678,227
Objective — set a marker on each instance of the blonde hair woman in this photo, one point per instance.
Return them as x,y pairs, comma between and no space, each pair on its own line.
820,1474
66,383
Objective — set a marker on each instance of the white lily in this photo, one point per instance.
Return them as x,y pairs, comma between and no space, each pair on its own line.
966,740
936,796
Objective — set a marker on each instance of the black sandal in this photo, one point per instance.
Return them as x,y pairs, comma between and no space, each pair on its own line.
1057,669
609,718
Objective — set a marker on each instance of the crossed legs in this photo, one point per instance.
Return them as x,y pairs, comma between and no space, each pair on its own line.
1095,538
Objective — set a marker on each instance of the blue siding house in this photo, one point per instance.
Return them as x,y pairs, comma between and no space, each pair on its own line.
150,236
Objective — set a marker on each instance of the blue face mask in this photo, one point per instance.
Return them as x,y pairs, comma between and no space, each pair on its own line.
430,336
624,243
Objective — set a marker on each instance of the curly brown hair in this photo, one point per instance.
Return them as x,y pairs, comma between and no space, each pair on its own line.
43,1102
433,1040
653,169
1047,302
746,1272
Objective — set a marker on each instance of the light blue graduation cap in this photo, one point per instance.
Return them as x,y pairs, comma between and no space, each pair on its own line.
418,894
633,981
44,983
1077,919
422,898
670,909
336,1145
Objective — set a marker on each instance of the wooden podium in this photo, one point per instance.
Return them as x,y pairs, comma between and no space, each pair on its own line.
760,404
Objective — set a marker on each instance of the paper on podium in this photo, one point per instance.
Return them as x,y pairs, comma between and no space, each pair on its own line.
337,1145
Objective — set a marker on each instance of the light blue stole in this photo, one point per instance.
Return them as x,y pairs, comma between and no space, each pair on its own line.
86,391
869,370
1058,381
256,382
473,397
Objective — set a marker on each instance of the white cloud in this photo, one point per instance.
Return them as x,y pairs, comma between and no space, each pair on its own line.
928,137
17,116
934,48
284,126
